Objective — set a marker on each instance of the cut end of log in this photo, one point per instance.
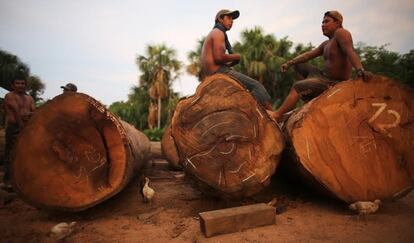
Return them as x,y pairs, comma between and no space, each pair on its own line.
72,154
225,139
357,139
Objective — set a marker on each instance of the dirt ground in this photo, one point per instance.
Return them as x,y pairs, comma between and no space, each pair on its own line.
302,216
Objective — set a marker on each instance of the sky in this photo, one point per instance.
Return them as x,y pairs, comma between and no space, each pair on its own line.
94,43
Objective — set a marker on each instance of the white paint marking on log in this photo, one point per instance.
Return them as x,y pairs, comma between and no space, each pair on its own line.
231,150
397,121
195,100
103,161
258,111
334,92
189,161
307,148
254,130
382,107
219,181
205,153
265,179
234,136
218,124
366,137
238,169
249,177
82,171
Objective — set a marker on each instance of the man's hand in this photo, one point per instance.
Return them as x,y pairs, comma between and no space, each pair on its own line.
231,64
365,75
284,67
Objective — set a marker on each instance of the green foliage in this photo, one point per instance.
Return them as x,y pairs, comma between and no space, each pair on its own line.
154,134
262,55
406,64
11,67
194,68
35,87
135,110
159,68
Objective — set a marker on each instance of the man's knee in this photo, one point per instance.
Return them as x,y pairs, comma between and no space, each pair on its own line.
309,88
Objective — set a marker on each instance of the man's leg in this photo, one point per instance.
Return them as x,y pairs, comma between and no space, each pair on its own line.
306,90
11,133
288,104
255,87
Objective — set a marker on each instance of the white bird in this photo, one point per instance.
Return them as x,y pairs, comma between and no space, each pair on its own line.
364,208
61,230
147,192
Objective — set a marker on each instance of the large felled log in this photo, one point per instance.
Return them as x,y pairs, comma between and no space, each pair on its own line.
357,139
225,140
74,153
169,149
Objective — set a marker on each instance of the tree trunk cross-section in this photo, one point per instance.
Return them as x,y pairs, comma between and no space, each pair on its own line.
357,139
74,153
225,140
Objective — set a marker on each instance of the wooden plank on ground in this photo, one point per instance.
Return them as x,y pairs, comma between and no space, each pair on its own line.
236,219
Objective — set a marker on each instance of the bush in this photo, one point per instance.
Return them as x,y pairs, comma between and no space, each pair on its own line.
154,134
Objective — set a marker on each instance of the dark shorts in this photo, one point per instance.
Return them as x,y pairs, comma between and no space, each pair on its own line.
255,87
315,82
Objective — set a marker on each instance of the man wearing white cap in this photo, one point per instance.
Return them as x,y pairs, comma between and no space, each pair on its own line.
214,58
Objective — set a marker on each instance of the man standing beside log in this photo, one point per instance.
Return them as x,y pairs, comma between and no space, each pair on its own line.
18,108
214,58
339,56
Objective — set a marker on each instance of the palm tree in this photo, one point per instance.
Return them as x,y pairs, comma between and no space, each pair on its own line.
36,87
194,68
159,68
261,57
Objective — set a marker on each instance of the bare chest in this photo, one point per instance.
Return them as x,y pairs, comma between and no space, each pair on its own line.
22,102
332,50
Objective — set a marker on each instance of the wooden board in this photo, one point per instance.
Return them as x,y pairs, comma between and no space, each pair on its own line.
236,219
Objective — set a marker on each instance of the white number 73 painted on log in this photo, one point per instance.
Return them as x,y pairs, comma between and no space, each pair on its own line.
384,127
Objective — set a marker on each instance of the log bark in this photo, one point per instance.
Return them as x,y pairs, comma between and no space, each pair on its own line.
74,154
169,149
225,139
356,140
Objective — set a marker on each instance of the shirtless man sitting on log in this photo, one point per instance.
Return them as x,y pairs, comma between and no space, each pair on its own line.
18,108
339,55
214,58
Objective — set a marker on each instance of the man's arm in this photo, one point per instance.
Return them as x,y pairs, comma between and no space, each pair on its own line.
304,57
344,40
32,104
12,107
219,50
